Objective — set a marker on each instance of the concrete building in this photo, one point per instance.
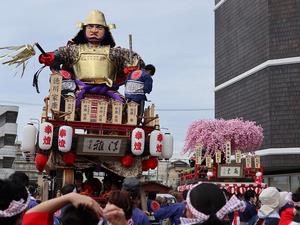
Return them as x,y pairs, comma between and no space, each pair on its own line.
25,164
257,77
8,133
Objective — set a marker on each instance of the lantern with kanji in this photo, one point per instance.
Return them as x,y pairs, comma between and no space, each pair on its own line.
45,136
167,151
40,161
258,178
69,158
65,135
127,161
137,141
28,139
156,143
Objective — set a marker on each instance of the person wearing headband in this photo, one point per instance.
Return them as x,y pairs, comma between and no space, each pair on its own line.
14,200
206,204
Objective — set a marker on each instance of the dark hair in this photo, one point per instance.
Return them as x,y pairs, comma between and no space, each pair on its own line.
78,216
68,188
249,194
296,195
208,198
152,195
78,176
19,178
10,191
132,186
122,200
150,68
81,39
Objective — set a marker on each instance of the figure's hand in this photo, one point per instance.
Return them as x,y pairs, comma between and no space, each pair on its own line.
114,214
86,202
129,69
47,58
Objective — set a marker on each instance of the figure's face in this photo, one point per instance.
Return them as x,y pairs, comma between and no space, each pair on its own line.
94,32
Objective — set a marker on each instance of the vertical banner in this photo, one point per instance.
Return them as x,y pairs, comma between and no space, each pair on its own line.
102,111
132,112
257,161
248,161
238,156
116,112
208,161
228,152
198,154
55,92
85,110
70,108
218,156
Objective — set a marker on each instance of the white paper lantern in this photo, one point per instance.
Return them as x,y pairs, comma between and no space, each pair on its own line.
137,141
167,152
28,139
46,136
156,143
65,135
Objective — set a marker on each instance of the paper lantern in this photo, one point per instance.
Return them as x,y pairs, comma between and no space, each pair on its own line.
69,158
137,141
127,161
145,165
28,139
40,161
45,136
65,135
152,163
167,151
156,143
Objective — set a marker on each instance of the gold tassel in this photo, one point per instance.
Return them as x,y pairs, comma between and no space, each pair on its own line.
19,56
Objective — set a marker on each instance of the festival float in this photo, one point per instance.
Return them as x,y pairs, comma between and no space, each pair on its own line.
85,121
223,152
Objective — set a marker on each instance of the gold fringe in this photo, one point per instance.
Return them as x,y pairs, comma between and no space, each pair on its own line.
20,55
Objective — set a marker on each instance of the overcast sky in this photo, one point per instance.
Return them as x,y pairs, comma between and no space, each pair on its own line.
176,36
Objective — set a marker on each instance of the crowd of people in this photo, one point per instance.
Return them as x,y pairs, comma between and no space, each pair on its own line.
205,204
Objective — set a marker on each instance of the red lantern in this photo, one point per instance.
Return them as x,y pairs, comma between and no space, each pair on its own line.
40,161
152,163
69,158
145,165
127,161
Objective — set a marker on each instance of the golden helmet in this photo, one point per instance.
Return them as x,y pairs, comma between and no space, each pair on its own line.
96,17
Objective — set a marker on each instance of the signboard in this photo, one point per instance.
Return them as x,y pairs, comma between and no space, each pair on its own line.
55,92
257,161
218,156
101,145
228,152
230,171
238,156
198,154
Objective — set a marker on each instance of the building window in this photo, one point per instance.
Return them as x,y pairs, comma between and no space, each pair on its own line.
281,182
295,182
9,139
11,117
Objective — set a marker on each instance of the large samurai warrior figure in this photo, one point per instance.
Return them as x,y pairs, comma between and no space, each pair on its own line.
90,61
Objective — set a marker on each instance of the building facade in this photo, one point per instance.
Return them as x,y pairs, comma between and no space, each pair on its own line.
257,77
8,134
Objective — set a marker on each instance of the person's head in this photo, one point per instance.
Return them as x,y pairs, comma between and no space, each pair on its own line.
150,69
250,196
152,195
132,186
95,30
269,199
66,189
122,200
78,216
14,200
89,173
78,179
204,202
19,178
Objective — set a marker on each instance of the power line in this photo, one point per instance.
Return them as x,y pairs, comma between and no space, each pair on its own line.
158,109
